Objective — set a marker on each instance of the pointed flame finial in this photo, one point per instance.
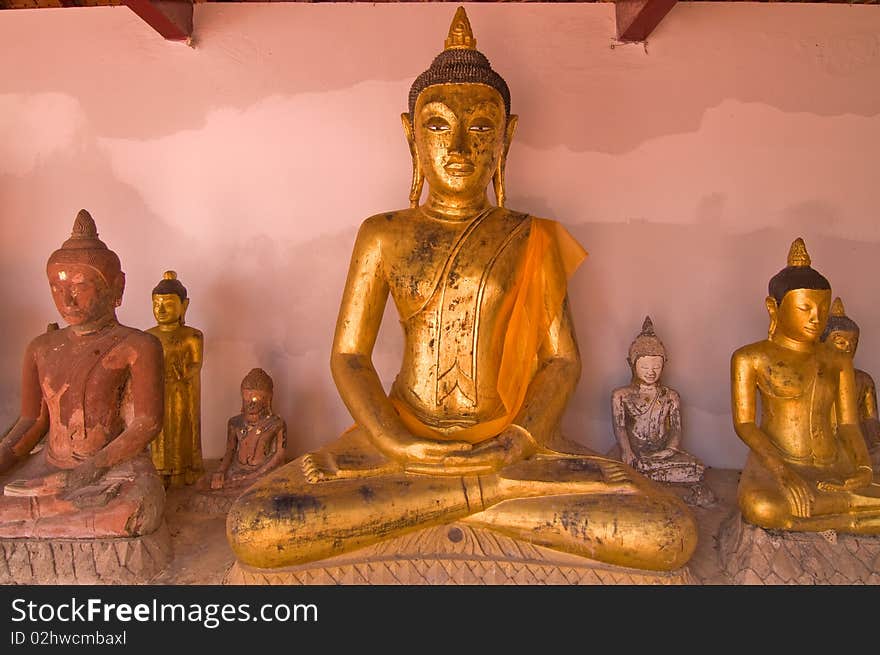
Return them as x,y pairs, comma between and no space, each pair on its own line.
84,226
837,308
461,36
798,255
648,328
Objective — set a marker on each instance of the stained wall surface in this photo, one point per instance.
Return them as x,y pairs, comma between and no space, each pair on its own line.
685,166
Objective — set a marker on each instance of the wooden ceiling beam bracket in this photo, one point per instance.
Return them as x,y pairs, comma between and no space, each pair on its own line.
636,19
173,19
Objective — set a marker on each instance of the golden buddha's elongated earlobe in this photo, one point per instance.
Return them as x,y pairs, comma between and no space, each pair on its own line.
498,178
498,182
183,307
773,310
418,178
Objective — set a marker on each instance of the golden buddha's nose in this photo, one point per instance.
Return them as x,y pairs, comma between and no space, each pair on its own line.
459,143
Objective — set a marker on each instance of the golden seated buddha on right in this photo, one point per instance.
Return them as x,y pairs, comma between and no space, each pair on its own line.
801,473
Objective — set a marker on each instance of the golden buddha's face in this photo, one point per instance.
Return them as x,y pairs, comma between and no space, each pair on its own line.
168,308
649,368
803,314
846,341
460,133
255,404
81,293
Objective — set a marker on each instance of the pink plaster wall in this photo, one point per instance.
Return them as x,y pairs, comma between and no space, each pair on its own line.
246,163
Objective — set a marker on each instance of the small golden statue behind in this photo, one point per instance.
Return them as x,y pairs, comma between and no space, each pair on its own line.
647,422
843,333
177,451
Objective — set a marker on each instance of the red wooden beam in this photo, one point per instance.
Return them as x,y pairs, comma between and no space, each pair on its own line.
636,19
173,19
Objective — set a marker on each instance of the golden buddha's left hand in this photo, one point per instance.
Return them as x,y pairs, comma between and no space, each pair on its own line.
862,478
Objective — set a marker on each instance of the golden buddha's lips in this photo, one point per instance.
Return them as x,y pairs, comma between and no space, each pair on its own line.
459,168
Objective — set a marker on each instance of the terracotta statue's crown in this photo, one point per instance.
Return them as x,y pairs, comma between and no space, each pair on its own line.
460,63
646,343
258,379
798,255
170,284
837,308
84,247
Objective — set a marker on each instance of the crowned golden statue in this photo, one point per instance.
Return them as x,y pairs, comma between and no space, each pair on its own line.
802,473
469,430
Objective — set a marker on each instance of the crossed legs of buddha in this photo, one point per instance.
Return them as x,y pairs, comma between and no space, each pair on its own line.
285,519
765,504
126,502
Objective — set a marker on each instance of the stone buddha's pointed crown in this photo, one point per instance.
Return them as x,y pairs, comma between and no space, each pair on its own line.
84,247
646,343
257,378
837,308
460,63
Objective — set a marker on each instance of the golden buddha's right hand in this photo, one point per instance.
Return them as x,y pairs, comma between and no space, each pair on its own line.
799,492
217,480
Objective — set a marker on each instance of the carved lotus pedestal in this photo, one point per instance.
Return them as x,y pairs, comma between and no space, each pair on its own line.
454,554
134,560
753,555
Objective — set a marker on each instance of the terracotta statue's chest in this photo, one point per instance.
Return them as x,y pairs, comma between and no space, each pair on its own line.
84,377
254,441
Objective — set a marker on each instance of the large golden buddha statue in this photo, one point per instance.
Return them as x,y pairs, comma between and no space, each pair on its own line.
801,473
490,361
